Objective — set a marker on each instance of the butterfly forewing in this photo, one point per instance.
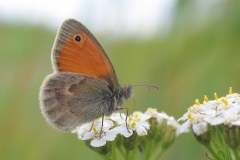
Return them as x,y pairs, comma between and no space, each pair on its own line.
77,50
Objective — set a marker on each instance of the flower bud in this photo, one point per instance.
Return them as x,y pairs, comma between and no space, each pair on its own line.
129,142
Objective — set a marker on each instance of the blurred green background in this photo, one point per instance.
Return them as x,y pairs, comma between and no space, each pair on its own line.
199,56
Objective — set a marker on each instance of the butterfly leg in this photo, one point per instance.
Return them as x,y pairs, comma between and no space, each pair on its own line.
102,125
121,115
91,127
126,116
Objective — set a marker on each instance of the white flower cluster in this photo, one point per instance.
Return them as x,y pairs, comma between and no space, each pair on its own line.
102,130
224,110
170,121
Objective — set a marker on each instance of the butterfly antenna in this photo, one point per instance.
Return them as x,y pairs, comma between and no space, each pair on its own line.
144,85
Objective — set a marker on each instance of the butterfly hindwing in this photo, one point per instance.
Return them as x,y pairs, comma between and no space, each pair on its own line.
69,99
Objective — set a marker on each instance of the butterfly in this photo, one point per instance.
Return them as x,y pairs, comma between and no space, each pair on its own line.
84,85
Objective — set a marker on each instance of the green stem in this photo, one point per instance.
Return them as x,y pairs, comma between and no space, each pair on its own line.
149,150
236,153
160,154
219,147
133,152
127,155
114,150
140,156
216,138
226,149
213,153
104,157
121,150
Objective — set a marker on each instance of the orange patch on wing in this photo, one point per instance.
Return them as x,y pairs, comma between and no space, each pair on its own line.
85,57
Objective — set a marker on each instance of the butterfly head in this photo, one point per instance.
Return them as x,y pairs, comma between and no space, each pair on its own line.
127,92
122,94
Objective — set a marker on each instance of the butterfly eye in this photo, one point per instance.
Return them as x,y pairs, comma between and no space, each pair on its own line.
78,38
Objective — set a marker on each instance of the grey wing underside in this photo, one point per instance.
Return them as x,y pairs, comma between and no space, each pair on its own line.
68,99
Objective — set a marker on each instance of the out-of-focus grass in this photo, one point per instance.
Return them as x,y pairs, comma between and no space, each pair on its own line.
187,64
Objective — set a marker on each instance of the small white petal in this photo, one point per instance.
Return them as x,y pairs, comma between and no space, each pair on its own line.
185,127
236,123
145,117
106,124
123,130
87,136
146,125
173,123
199,128
119,118
98,142
111,135
152,112
159,120
165,116
80,133
214,120
183,118
141,131
209,112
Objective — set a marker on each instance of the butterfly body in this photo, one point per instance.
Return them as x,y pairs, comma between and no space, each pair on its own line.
84,85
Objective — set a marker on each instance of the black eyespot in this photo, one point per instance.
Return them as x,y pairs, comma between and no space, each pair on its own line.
78,38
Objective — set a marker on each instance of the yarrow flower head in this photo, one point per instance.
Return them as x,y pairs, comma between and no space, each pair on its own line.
136,122
214,119
99,133
132,132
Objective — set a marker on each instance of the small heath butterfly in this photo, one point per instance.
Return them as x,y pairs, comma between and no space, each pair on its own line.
84,85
